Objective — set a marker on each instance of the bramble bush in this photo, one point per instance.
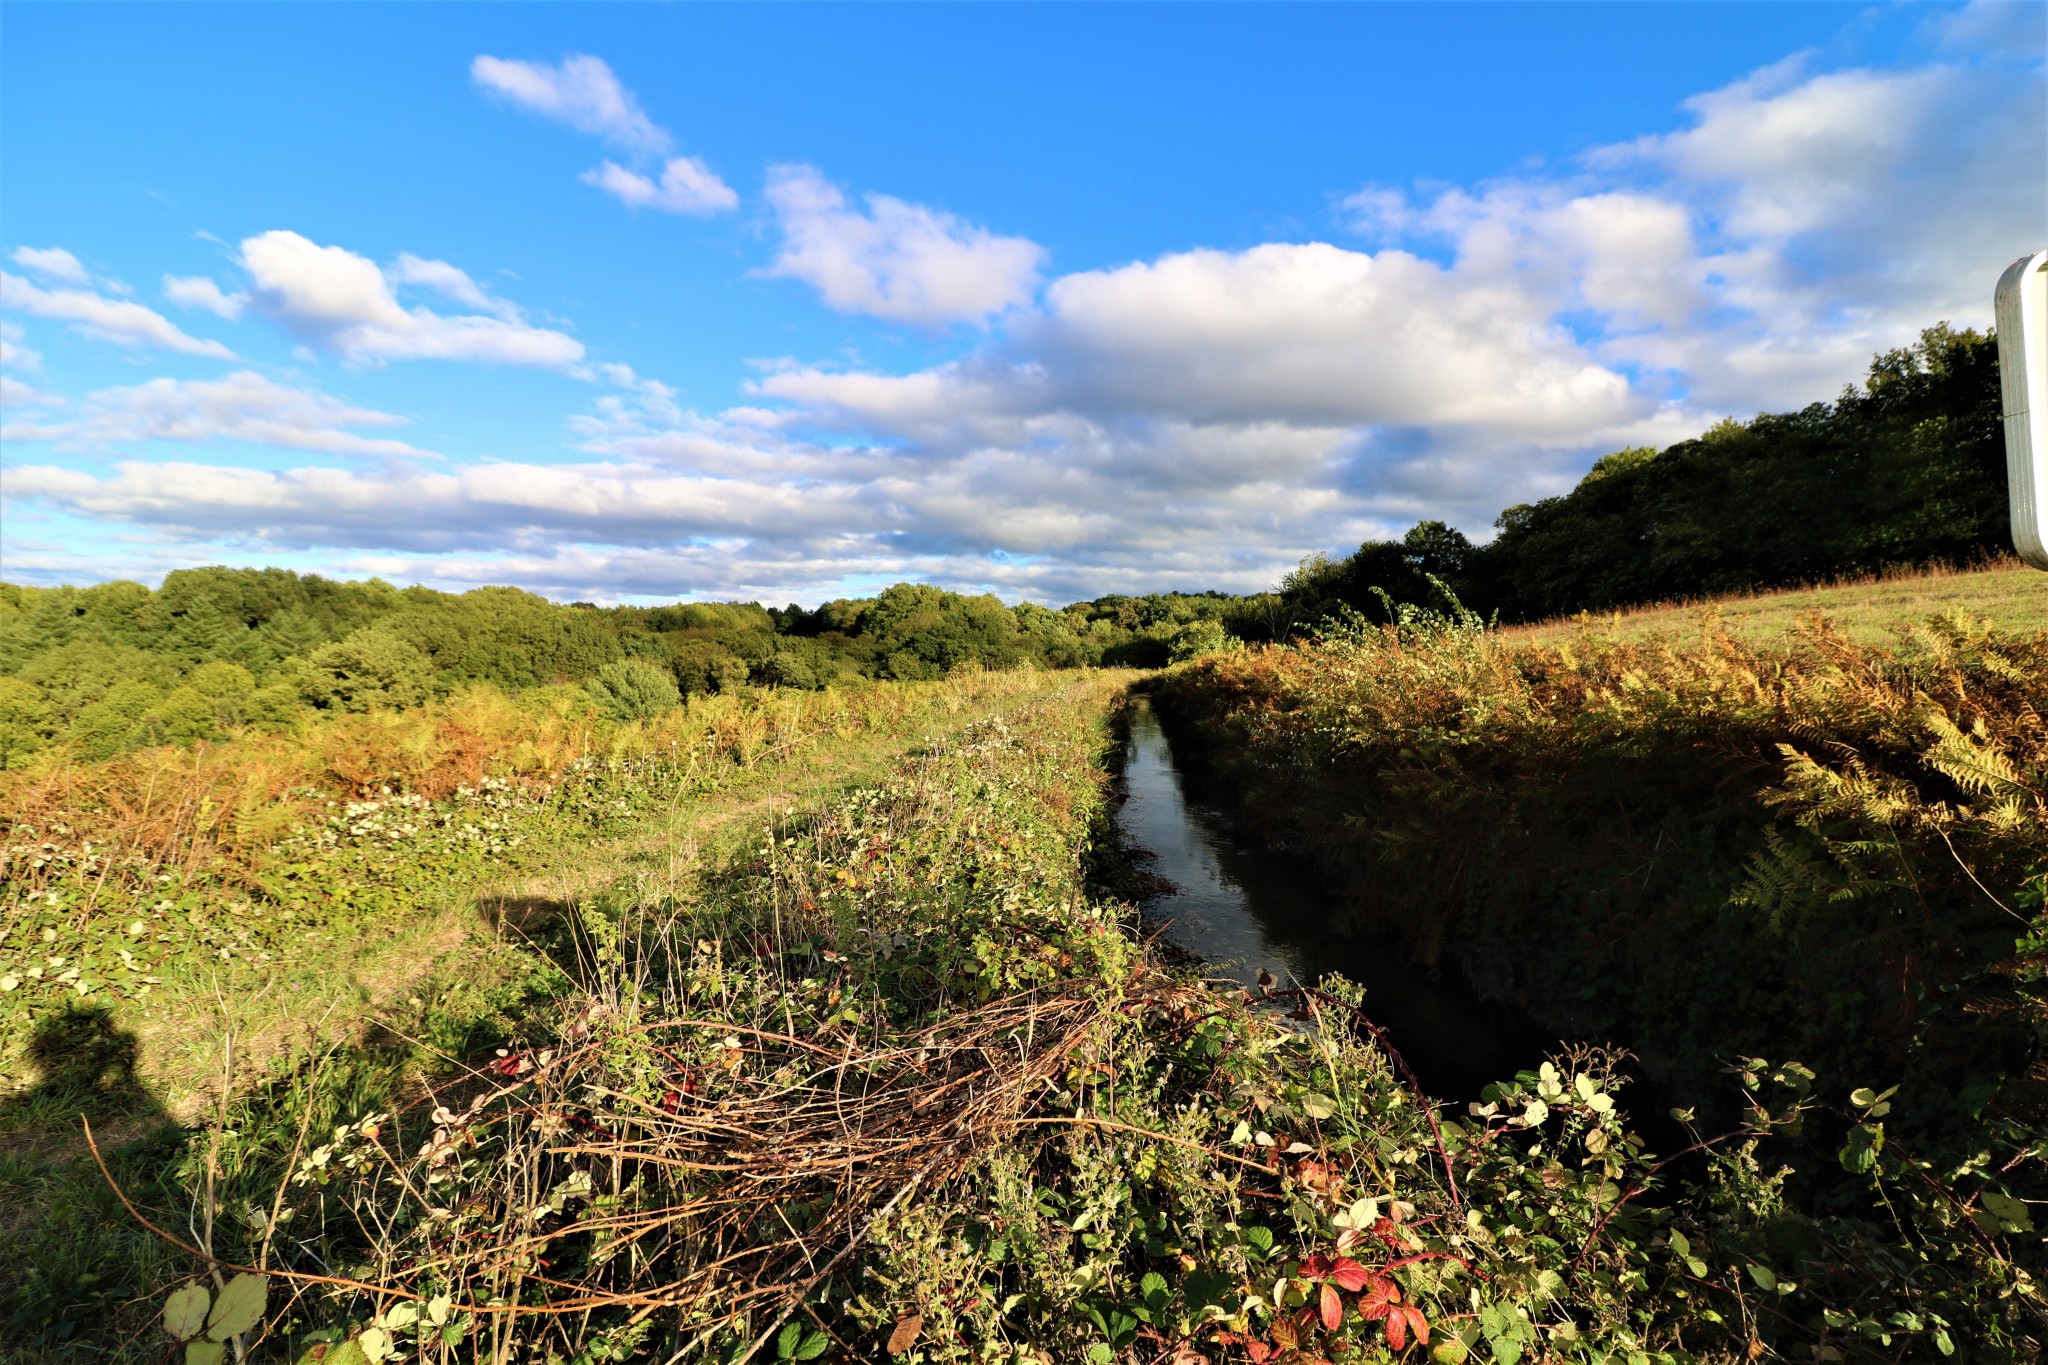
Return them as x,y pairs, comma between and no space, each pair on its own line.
1717,851
889,1082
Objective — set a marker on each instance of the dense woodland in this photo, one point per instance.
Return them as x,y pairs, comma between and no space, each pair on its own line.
108,669
1908,469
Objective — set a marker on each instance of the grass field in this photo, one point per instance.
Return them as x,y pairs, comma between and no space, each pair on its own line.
798,1026
153,976
1869,611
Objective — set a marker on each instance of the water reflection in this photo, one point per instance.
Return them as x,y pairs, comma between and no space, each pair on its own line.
1242,907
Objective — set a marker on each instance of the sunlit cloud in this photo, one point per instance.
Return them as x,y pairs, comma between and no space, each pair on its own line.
895,260
583,93
338,301
242,407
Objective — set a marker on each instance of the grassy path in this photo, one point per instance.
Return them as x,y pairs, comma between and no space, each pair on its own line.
438,971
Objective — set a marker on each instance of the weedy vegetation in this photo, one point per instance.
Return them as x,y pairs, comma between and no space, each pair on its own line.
624,1020
1721,851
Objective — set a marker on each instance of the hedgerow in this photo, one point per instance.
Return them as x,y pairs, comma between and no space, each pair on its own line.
1717,852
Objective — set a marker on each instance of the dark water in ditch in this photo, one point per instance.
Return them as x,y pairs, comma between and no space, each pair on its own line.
1241,906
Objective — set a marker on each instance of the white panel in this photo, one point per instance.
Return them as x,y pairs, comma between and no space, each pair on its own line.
2023,382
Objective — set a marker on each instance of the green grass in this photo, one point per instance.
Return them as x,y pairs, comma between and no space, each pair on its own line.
844,1055
1868,611
381,952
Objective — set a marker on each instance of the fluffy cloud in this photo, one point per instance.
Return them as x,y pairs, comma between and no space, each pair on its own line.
332,298
243,406
197,291
1757,257
1316,334
581,92
16,394
1203,418
450,282
483,506
899,261
14,352
117,320
687,185
53,263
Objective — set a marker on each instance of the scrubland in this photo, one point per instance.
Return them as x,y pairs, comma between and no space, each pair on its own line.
1806,857
798,1025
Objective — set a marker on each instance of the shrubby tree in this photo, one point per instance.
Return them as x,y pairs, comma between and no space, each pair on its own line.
370,669
1196,638
635,689
702,666
25,721
1907,470
113,724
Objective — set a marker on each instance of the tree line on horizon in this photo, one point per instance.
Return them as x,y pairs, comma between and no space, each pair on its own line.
1906,469
102,670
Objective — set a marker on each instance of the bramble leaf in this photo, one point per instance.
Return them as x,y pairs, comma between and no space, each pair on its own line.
185,1311
239,1307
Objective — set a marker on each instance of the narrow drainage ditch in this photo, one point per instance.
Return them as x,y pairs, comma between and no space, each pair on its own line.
1241,907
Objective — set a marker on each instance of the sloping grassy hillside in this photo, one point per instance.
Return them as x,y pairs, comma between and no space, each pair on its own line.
2011,595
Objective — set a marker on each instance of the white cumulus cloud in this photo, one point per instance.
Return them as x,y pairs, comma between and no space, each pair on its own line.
243,406
581,91
52,263
895,260
332,298
121,321
451,282
687,185
16,394
14,350
197,291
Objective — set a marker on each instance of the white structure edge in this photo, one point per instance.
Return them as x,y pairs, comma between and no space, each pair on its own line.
2023,383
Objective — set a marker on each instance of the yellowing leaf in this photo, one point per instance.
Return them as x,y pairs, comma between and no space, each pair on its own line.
185,1311
239,1307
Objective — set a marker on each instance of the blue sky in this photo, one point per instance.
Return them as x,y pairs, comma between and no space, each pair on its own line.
640,302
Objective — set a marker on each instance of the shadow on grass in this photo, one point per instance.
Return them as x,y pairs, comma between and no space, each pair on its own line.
69,1254
85,1068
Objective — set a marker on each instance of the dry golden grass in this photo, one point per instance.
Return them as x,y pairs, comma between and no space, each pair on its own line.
1867,610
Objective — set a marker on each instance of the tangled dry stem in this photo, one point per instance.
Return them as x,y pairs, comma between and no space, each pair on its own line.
724,1194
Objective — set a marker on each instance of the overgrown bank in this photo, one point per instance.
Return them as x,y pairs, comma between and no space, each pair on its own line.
1708,850
377,889
892,1082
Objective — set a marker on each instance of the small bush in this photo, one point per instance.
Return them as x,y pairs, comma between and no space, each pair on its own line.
370,670
634,689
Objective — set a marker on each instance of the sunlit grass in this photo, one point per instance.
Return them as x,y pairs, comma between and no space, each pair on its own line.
1867,610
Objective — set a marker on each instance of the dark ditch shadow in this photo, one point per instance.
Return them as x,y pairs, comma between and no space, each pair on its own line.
1240,902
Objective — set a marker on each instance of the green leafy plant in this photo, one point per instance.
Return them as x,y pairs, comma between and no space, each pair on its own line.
207,1324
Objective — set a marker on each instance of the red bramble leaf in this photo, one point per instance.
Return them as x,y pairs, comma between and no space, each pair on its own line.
1349,1274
